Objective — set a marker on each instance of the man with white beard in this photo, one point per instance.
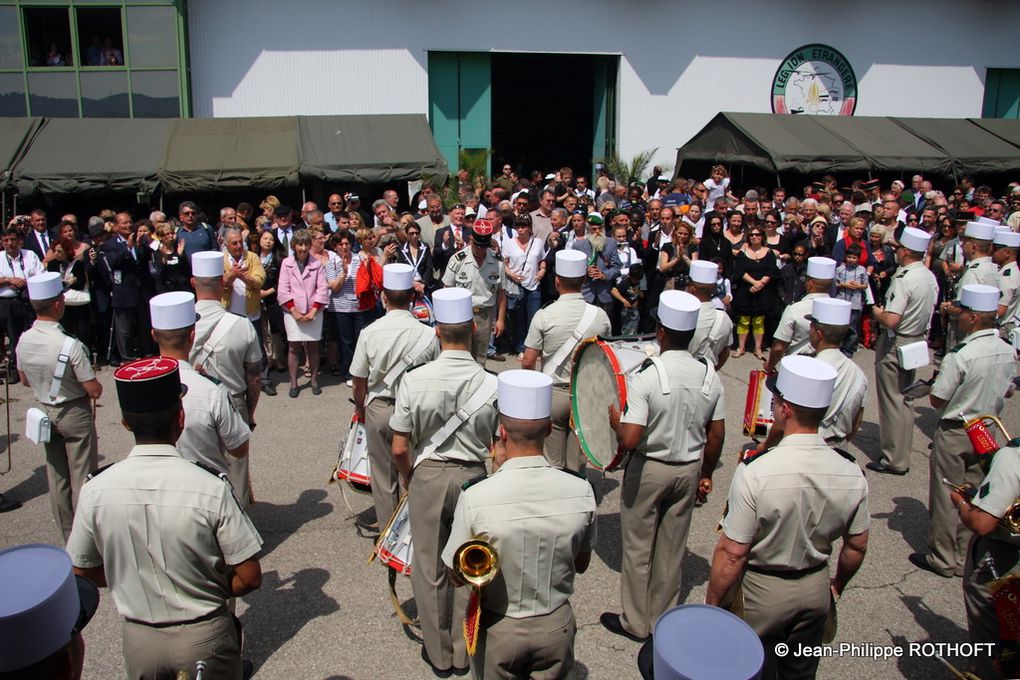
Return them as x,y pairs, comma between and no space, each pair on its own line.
603,263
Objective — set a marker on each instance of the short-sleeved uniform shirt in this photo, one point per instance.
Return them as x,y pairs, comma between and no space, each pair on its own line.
912,295
164,530
38,352
674,423
538,518
554,325
239,347
1009,289
484,281
1000,489
792,501
212,426
385,344
981,270
431,394
974,376
793,328
712,334
848,395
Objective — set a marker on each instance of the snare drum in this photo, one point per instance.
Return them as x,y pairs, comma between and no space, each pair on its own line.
353,465
394,548
600,375
758,406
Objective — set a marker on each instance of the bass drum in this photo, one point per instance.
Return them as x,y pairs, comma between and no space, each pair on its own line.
601,373
353,466
394,548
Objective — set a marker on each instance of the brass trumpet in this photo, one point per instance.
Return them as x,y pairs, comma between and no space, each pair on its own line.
476,563
1010,521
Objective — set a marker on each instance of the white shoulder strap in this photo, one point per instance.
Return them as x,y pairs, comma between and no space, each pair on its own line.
222,330
480,397
559,356
660,369
717,323
61,368
706,384
858,385
398,369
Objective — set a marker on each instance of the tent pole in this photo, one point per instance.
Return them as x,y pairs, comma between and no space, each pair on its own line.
303,198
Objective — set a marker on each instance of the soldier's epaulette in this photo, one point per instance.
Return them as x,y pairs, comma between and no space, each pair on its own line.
461,255
900,275
211,470
98,471
471,482
1007,272
1014,442
748,459
846,454
214,381
958,347
549,302
576,473
413,368
646,363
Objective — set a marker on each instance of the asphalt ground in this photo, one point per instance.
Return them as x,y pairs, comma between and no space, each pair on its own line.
324,612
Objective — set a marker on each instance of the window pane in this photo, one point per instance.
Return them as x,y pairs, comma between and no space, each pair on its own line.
12,95
49,36
156,94
152,36
104,95
100,38
10,38
53,94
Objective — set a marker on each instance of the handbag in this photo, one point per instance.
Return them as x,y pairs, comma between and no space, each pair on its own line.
77,298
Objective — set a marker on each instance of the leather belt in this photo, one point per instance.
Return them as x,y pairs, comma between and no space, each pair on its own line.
787,573
215,613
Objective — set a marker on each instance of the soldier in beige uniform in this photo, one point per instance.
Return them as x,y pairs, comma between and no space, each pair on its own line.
830,321
776,544
56,367
976,243
478,269
1006,245
972,381
904,319
674,422
540,521
227,349
791,337
554,333
992,557
714,333
167,537
213,429
387,349
443,425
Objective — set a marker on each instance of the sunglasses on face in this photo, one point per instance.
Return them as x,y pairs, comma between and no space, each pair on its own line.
800,254
755,235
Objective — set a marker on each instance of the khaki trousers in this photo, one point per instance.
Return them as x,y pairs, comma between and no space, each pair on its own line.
978,580
895,416
787,610
433,493
561,448
952,457
480,339
537,647
152,653
71,454
238,469
655,517
379,437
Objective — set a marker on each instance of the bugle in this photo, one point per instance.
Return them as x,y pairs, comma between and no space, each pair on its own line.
476,563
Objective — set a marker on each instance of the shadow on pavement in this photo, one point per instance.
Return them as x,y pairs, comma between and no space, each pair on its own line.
277,522
694,571
908,518
607,546
939,629
281,608
32,487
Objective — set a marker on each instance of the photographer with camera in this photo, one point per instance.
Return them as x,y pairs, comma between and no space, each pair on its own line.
16,267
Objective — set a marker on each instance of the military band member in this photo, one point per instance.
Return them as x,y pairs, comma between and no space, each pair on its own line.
443,425
555,331
791,337
56,367
714,333
674,422
478,269
776,544
1006,245
993,555
976,243
226,348
830,321
213,430
386,350
972,381
167,537
539,520
903,320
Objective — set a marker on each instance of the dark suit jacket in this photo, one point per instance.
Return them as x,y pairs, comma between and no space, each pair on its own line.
441,253
32,242
125,272
608,263
424,265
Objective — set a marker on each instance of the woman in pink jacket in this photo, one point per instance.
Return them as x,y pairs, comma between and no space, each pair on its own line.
303,294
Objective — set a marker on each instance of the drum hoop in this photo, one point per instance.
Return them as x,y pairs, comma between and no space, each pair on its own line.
621,389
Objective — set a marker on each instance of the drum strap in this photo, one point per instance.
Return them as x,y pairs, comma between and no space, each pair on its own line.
858,386
481,396
222,330
559,356
390,379
660,369
61,368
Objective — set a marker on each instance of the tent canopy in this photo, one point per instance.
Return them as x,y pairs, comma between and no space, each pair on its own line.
813,144
97,155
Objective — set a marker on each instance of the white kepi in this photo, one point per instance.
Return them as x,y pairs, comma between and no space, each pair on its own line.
804,381
525,394
207,264
978,297
571,264
171,311
830,311
915,239
45,286
703,271
398,276
821,268
452,305
678,310
980,231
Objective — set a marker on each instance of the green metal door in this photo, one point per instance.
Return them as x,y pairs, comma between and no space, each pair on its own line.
604,108
1002,93
460,103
